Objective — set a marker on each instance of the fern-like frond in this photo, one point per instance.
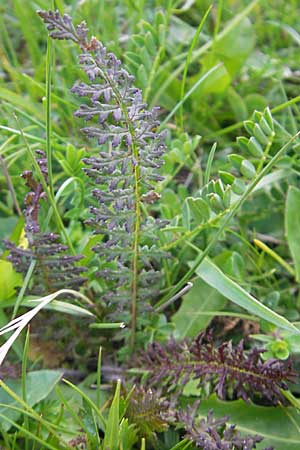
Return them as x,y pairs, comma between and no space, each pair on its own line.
123,177
231,371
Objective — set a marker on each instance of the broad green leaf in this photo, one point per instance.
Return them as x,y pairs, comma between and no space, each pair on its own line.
217,82
111,438
217,279
292,226
232,50
18,231
9,280
278,426
39,384
189,320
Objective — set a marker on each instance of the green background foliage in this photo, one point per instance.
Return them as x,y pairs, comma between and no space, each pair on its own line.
234,226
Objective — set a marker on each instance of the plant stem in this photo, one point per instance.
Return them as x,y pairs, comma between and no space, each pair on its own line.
48,113
275,256
187,64
137,208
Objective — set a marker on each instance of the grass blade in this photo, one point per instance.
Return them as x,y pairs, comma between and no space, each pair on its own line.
111,439
292,226
214,277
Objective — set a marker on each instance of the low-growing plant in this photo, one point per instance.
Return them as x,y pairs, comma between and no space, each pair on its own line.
141,245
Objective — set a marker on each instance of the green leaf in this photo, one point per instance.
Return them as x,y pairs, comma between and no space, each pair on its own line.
61,306
189,320
39,384
231,263
217,279
199,208
232,50
277,425
237,104
292,226
9,280
111,438
128,435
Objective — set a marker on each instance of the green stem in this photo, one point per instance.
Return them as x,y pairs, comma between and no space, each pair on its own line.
209,163
137,208
24,384
266,152
48,114
187,64
23,289
193,233
275,256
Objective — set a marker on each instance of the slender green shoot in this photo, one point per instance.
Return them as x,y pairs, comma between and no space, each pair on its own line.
209,163
24,389
187,64
48,113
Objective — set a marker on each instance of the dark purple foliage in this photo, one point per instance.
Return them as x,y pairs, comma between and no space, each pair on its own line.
54,268
122,175
231,370
214,434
